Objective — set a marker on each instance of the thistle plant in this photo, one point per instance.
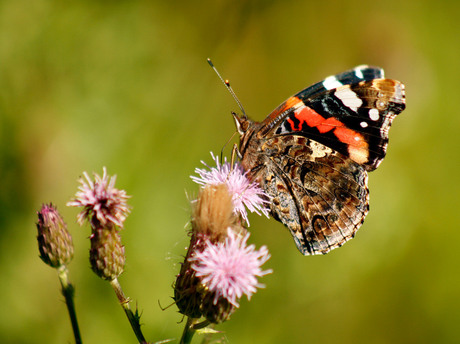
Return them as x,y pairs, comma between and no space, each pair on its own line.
105,209
219,268
56,250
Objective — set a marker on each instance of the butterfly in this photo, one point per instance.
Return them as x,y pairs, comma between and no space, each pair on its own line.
312,154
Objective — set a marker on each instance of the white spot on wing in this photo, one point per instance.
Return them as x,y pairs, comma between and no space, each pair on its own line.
359,72
374,114
348,98
331,82
363,124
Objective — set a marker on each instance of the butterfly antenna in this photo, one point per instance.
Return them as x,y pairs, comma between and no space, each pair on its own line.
229,88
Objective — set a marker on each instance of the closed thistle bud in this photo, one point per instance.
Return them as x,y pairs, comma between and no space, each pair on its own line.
54,241
107,254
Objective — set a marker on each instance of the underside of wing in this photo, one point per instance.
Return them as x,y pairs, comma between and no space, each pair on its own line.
352,76
352,119
313,152
320,195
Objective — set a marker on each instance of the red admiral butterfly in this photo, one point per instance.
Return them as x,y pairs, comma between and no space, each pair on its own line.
311,155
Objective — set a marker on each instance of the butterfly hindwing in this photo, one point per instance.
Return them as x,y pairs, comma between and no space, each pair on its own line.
320,195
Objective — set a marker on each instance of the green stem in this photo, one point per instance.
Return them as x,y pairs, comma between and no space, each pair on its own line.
68,292
188,333
133,318
190,328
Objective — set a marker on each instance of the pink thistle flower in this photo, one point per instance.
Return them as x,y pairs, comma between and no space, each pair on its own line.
100,199
245,194
230,269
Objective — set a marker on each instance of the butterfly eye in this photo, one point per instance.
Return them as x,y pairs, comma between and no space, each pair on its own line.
242,123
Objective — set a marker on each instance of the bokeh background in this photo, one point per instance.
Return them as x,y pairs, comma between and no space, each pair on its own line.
125,84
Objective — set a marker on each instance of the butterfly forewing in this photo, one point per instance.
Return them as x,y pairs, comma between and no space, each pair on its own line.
353,76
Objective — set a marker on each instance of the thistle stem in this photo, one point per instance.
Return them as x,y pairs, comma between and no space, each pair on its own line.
191,326
133,318
68,292
189,331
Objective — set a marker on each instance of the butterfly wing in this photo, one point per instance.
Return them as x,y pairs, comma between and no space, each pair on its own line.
351,119
312,154
320,195
352,76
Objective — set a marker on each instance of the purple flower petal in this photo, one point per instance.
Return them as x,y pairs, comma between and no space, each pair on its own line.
101,199
245,194
230,269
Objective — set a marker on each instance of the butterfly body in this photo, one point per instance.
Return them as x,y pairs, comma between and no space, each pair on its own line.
311,155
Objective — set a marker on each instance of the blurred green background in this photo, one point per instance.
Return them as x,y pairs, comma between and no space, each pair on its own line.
125,84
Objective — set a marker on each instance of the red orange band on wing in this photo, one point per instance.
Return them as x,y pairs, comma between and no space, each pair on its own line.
357,145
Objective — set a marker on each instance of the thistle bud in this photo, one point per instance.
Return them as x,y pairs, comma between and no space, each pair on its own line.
187,292
54,241
216,312
107,254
